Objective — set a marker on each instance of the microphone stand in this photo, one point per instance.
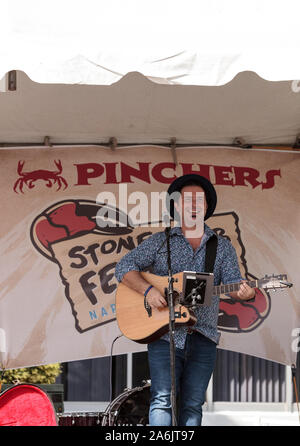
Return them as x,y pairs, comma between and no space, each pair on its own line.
171,330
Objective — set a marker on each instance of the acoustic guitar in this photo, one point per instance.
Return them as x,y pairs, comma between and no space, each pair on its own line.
142,324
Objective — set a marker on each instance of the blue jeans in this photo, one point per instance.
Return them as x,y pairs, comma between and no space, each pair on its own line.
193,368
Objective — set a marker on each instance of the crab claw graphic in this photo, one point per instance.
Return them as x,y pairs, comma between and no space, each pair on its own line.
236,316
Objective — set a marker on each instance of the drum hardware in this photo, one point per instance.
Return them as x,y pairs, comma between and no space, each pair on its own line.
130,408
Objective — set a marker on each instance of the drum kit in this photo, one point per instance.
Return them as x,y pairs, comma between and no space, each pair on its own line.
29,405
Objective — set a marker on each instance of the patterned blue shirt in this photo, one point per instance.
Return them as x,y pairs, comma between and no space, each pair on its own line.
152,252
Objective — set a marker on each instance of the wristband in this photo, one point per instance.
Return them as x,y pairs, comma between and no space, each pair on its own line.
147,290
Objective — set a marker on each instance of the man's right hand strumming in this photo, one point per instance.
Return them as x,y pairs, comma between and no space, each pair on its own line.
134,280
155,299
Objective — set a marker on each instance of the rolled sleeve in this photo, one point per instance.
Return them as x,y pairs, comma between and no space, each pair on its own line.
140,258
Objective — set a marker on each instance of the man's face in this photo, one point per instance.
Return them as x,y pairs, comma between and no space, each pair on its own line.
192,207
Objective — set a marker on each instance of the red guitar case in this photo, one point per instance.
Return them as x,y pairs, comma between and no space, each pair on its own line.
26,405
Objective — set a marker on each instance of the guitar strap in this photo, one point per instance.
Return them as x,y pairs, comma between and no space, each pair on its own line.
211,252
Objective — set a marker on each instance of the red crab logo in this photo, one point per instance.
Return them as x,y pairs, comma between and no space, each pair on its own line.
29,178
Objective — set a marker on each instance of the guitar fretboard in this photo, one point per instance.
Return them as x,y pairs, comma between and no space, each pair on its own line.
223,289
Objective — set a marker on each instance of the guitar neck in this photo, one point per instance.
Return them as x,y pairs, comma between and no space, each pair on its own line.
223,289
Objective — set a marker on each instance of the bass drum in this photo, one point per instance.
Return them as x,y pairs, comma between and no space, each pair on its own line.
130,408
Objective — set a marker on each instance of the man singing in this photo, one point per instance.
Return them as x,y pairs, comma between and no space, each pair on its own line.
195,350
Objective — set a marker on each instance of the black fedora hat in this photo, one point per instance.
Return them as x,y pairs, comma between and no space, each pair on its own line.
209,190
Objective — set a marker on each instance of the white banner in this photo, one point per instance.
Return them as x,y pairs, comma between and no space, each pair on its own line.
57,298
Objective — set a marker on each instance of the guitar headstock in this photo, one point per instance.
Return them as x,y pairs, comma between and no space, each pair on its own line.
273,282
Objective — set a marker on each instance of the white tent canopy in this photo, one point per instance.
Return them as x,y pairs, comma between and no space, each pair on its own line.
137,110
188,42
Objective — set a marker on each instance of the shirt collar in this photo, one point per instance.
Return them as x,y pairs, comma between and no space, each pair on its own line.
207,231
